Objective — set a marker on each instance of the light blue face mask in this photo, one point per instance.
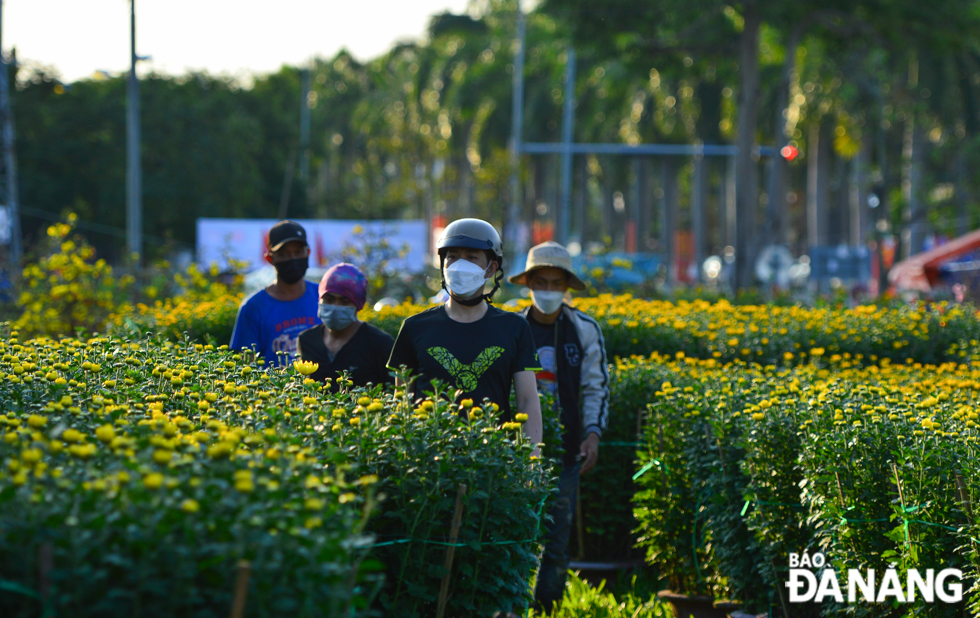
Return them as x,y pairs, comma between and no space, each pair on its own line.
337,317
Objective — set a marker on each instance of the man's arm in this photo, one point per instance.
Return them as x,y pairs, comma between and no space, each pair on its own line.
526,391
595,377
246,332
595,389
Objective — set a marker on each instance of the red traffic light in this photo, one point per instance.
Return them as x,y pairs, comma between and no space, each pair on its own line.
789,152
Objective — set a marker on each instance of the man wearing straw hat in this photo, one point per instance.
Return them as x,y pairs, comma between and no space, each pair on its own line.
572,352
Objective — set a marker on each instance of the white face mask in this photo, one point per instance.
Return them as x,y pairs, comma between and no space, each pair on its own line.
547,302
463,278
337,317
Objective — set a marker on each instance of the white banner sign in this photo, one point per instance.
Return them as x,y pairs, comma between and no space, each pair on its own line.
331,241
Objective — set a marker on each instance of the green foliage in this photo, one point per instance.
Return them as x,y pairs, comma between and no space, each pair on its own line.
150,468
669,502
204,311
607,514
67,289
866,465
122,495
582,600
421,456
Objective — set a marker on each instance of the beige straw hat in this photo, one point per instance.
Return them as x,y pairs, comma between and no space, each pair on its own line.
549,254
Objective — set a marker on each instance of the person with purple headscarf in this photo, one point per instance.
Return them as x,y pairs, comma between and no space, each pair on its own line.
343,342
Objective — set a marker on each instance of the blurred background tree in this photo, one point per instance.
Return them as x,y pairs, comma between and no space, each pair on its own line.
873,94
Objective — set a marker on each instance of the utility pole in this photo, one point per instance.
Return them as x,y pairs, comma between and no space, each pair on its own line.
517,117
134,181
9,156
304,134
567,136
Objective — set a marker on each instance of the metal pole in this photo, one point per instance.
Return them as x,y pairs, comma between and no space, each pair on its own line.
517,117
698,206
304,133
567,132
134,189
9,158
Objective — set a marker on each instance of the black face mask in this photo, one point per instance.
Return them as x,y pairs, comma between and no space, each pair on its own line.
291,271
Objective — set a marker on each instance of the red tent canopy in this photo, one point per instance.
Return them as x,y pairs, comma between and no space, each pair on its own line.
921,271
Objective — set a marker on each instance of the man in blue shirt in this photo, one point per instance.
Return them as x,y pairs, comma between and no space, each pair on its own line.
271,320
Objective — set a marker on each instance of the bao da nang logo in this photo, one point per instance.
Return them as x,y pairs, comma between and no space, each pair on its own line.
811,581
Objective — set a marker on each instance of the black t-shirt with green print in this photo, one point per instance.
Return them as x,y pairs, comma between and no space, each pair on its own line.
479,358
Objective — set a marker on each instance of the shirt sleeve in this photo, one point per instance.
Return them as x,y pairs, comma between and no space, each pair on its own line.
526,358
403,350
384,347
246,332
595,376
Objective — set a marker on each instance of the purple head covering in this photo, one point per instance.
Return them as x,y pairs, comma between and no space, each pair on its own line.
345,280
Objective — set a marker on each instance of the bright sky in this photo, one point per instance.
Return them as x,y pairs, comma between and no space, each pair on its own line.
235,37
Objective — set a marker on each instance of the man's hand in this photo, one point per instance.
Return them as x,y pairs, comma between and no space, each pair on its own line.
590,451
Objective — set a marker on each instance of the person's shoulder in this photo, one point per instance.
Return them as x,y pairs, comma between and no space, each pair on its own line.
257,298
423,320
588,327
432,313
313,332
510,317
497,311
578,314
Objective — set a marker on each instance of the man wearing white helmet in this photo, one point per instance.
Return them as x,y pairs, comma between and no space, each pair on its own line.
468,343
572,353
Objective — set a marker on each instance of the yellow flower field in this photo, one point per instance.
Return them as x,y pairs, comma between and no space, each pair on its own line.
872,465
130,460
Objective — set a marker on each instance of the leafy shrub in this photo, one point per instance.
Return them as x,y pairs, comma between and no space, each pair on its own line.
606,492
669,501
422,454
873,466
764,334
67,289
583,600
204,311
133,460
146,488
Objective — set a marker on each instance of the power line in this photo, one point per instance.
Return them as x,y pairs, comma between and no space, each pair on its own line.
101,228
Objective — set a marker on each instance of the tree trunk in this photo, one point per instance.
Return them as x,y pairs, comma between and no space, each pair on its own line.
608,210
746,184
963,197
914,233
858,196
699,209
726,197
777,198
669,211
579,198
818,185
634,206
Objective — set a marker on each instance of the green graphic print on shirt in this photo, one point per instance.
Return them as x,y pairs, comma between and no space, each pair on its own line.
466,376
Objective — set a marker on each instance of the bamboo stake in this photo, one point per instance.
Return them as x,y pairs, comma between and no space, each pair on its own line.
901,497
241,589
580,532
663,471
45,564
964,497
450,551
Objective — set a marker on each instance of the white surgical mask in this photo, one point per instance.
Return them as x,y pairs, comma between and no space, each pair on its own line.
337,317
463,278
547,302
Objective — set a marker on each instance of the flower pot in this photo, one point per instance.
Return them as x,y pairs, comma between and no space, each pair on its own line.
685,606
